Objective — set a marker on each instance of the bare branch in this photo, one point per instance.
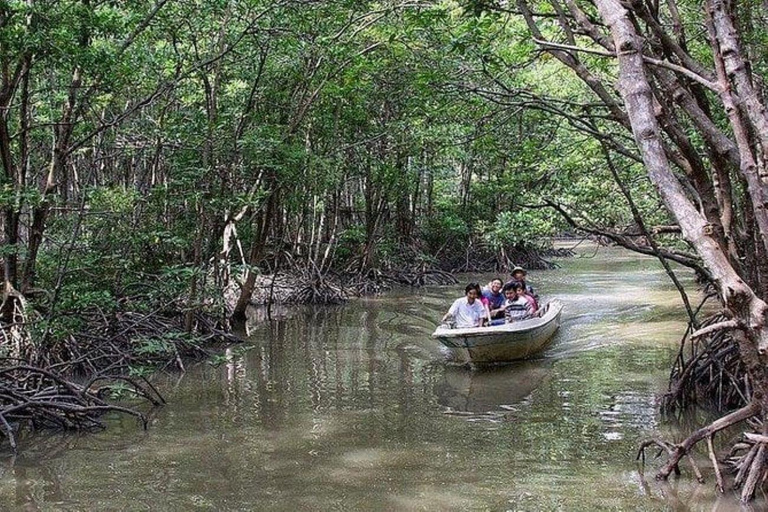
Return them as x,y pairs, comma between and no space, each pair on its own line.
720,326
713,86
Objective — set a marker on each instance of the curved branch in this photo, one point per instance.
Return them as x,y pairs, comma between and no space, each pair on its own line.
709,84
686,260
720,326
683,448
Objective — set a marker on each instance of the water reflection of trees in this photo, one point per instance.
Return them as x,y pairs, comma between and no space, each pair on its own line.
365,360
35,481
322,360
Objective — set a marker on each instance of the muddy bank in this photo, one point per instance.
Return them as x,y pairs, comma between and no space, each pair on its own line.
300,286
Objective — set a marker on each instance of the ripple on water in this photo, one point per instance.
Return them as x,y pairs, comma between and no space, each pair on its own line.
352,408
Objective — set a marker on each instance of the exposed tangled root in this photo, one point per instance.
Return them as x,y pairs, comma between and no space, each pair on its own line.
420,276
34,398
317,290
560,252
305,287
14,334
35,392
300,281
747,459
114,343
708,369
299,288
480,260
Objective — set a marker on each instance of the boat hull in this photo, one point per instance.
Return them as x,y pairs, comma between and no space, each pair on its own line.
502,343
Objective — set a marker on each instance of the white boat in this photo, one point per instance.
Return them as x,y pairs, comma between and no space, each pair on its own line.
501,343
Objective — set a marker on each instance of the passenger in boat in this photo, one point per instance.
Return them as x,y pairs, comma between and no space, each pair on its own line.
468,311
483,301
495,298
534,307
516,307
519,276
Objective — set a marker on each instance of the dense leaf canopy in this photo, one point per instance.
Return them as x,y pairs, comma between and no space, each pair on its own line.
192,142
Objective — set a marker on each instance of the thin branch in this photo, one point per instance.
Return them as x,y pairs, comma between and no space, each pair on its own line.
713,459
713,86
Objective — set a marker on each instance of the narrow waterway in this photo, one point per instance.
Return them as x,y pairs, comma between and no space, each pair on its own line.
353,408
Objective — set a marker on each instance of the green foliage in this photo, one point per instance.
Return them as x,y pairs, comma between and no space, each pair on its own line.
141,370
220,359
324,127
350,241
154,347
118,391
518,228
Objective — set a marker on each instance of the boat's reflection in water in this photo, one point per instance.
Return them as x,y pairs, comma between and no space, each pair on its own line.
490,389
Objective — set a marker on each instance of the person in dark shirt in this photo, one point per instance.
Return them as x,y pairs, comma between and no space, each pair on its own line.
493,295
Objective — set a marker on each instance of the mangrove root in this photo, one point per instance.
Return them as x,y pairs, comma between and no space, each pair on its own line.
708,370
35,398
751,466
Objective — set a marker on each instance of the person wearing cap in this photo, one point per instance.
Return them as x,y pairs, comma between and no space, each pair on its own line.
518,276
468,311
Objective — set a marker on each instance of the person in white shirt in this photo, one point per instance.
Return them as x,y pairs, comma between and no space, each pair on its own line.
468,311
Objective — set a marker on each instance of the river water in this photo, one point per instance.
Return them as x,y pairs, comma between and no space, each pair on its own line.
353,408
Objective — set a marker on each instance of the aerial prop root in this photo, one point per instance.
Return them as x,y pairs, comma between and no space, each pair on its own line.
751,467
719,326
713,371
35,398
674,452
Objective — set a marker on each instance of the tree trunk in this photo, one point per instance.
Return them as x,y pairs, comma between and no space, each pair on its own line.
744,306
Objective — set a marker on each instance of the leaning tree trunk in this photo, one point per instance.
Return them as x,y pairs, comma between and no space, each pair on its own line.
748,311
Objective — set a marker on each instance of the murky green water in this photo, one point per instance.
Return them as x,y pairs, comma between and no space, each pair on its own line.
352,408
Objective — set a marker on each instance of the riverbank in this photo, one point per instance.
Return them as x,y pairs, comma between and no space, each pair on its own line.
298,285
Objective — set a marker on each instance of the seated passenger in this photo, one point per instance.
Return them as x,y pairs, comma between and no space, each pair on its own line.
518,276
484,302
467,311
492,293
534,307
516,307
